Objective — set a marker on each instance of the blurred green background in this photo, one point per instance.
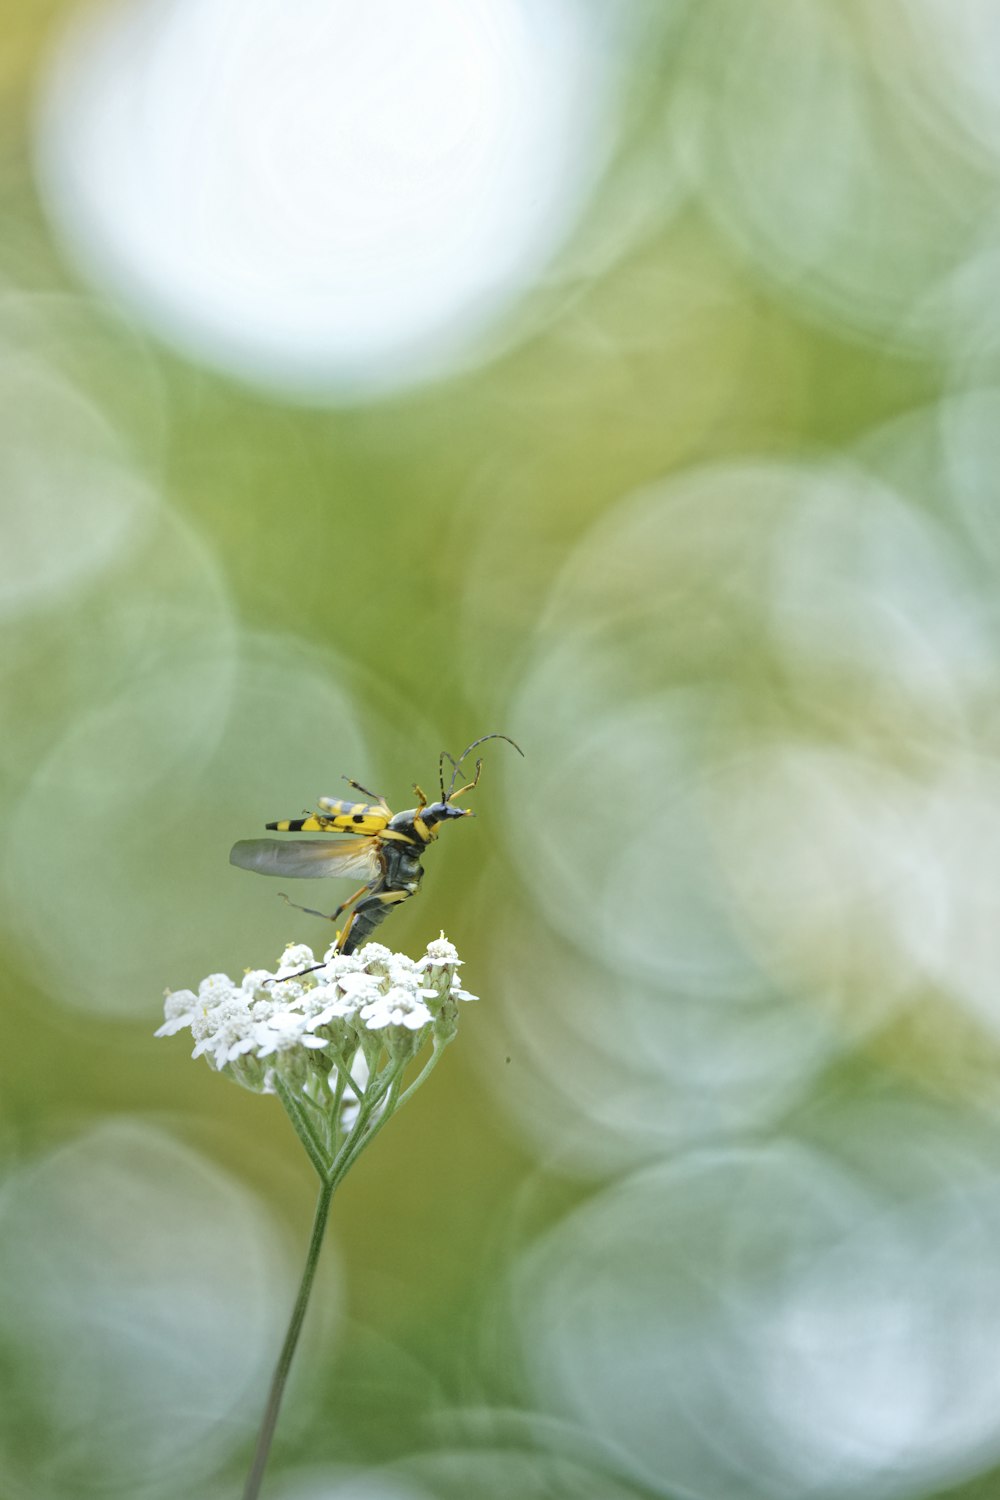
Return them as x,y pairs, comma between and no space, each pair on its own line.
621,377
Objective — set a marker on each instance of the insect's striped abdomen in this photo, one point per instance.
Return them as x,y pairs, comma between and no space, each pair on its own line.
337,817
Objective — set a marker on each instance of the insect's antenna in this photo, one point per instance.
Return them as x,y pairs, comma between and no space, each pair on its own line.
458,764
441,773
446,796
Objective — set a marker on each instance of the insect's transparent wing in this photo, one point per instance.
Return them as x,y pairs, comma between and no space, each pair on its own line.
308,859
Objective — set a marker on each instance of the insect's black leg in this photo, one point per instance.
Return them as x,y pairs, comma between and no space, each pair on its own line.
375,796
324,916
309,910
298,972
332,917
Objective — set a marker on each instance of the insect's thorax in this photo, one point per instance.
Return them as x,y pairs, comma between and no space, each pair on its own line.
401,865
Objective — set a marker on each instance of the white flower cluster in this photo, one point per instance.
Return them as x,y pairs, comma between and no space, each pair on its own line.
306,1025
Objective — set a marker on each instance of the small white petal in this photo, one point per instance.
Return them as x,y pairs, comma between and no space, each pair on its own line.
296,956
357,983
440,951
253,980
237,1048
215,986
419,1016
170,1028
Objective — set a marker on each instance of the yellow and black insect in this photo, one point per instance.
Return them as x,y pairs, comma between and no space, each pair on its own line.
374,842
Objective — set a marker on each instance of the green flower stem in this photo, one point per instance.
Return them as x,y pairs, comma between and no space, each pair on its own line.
356,1143
387,1086
303,1127
333,1131
264,1437
426,1070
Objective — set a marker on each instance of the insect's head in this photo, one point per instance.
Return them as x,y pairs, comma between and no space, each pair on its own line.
433,813
436,812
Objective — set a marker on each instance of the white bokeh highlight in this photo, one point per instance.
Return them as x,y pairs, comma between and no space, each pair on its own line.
764,801
318,197
75,499
775,1320
142,1297
849,156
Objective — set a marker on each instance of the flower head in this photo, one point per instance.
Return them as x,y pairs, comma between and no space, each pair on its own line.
311,1026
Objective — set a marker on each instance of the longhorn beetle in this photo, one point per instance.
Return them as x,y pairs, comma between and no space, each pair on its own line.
382,846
